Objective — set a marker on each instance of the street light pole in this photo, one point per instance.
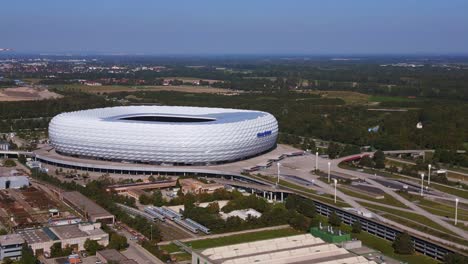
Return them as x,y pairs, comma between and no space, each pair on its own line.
335,181
456,210
316,161
429,175
422,183
329,163
277,181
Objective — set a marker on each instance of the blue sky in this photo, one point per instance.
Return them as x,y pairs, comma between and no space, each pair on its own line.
236,26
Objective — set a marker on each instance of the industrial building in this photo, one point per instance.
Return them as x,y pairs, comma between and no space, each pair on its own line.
164,134
10,246
113,256
86,207
41,239
13,182
195,186
4,145
300,249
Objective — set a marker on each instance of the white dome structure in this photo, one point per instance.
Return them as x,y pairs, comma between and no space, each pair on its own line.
164,134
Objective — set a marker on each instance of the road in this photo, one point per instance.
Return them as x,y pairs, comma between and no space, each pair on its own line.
137,252
302,166
369,178
463,174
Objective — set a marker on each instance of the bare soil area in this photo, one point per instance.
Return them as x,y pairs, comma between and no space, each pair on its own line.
26,94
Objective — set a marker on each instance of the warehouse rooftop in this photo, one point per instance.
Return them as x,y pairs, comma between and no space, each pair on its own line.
294,249
87,207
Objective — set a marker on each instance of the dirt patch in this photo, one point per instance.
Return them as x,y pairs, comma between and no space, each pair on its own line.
120,88
26,94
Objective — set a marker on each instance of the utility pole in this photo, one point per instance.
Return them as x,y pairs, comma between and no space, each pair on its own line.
316,161
429,174
456,210
277,181
329,164
335,181
422,183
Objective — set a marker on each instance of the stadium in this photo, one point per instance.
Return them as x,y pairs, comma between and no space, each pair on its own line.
163,135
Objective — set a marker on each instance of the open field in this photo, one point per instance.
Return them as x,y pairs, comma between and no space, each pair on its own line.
191,79
26,94
128,88
379,99
388,200
235,239
354,98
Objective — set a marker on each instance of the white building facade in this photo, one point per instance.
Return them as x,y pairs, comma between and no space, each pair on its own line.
164,134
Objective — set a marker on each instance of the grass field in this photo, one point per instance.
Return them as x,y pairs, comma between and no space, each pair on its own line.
380,99
410,216
425,229
243,238
435,207
388,200
229,240
385,247
353,98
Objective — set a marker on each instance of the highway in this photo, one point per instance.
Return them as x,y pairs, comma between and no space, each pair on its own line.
370,179
303,165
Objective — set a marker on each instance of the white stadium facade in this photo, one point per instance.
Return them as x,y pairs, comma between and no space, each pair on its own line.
164,134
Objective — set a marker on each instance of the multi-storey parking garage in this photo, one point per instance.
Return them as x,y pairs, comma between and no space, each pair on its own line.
164,134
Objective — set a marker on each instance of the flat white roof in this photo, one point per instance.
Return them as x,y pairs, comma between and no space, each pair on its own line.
294,249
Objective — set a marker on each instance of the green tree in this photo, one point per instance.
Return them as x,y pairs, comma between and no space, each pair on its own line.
455,258
9,163
298,221
117,242
27,255
7,260
145,199
333,150
334,219
403,244
366,161
3,232
379,159
314,222
91,246
56,250
356,227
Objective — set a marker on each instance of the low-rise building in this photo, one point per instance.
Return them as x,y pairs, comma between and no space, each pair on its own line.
13,182
41,239
87,208
4,145
10,246
195,186
294,249
242,214
113,256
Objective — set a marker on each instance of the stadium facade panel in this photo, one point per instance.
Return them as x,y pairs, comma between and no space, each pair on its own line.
164,134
